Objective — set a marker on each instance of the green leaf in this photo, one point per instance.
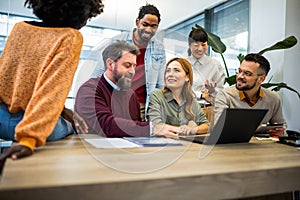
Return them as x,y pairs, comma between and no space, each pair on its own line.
214,41
241,57
231,80
219,47
279,86
284,44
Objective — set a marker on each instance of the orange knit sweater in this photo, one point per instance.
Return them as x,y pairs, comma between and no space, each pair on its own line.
36,72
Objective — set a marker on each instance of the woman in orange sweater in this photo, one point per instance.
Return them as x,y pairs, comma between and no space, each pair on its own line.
36,71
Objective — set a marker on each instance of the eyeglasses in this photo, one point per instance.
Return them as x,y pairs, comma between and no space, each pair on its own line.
246,73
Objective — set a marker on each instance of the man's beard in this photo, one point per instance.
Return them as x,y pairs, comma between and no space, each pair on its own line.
246,87
141,32
123,81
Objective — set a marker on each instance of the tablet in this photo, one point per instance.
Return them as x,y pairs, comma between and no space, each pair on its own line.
263,128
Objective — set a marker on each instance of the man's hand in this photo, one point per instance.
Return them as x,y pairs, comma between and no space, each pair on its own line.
80,124
14,152
277,131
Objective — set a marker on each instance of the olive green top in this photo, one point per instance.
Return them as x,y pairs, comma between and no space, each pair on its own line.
163,108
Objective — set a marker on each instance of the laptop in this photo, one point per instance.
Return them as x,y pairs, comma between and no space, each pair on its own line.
235,125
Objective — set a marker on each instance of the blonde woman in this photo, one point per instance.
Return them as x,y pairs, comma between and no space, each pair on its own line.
175,106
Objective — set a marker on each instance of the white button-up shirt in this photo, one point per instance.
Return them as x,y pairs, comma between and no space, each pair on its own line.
206,68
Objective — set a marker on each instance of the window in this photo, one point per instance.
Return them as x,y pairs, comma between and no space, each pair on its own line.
91,34
176,37
229,20
231,23
6,24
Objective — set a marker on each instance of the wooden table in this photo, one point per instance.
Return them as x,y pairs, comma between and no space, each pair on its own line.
73,169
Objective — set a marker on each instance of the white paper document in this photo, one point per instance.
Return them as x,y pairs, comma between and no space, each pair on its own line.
107,143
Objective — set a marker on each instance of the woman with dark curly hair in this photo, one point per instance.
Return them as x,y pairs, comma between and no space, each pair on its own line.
36,71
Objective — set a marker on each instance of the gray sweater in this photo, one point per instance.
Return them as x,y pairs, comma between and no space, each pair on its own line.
229,98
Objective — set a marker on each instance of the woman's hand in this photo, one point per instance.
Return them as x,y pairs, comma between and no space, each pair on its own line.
14,152
80,124
67,114
207,97
210,86
187,130
166,130
190,128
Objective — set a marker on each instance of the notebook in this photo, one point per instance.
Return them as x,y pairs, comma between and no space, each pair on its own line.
235,125
153,141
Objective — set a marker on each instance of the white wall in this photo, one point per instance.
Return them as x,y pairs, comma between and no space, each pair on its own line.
291,104
270,22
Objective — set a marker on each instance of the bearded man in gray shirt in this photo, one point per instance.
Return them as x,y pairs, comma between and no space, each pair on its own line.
248,93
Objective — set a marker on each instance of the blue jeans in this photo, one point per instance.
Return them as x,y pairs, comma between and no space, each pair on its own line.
9,121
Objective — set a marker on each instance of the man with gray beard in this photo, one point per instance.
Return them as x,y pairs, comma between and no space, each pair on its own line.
107,103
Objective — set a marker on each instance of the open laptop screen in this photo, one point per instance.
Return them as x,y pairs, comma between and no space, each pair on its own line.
235,125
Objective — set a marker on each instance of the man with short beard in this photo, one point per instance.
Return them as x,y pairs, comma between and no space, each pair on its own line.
248,93
107,104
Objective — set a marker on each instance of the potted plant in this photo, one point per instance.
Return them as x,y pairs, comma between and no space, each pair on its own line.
219,47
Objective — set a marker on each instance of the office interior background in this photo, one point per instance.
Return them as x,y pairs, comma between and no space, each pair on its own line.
244,26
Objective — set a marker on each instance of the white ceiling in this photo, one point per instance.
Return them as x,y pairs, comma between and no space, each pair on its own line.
121,14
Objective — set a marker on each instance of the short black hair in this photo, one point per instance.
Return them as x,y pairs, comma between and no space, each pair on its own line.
149,9
196,35
261,60
65,13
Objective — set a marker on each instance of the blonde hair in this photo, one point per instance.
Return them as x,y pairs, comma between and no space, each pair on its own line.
187,92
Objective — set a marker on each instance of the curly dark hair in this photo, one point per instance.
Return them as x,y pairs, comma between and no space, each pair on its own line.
65,13
149,9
